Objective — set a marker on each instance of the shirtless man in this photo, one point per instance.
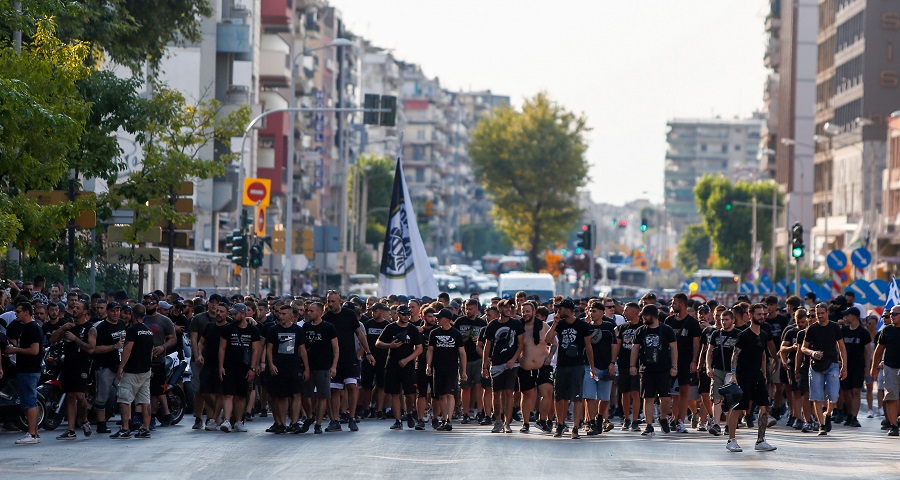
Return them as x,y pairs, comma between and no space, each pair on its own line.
535,374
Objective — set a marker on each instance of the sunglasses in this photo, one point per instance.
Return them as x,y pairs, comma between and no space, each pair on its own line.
894,314
609,306
149,303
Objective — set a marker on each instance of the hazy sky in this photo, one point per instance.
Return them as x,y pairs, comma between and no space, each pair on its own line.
628,65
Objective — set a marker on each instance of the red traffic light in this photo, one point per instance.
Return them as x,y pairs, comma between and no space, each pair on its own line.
623,223
584,228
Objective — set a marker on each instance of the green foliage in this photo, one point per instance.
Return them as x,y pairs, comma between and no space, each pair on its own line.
380,175
693,249
478,240
532,164
730,230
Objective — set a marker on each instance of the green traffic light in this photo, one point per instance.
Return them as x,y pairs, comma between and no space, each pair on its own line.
727,206
797,252
578,251
643,228
563,251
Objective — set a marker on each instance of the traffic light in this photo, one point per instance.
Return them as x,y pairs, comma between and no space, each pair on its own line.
389,118
623,224
371,102
229,242
797,245
256,255
246,221
239,249
644,225
585,239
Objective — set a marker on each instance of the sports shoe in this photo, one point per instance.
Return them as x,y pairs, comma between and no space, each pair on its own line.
152,423
239,427
86,428
305,426
607,425
894,431
28,439
67,435
695,421
575,435
542,426
559,430
142,433
272,428
198,424
410,421
277,429
121,435
853,422
798,424
626,425
822,431
805,428
635,426
772,422
680,428
764,446
732,445
211,425
352,425
837,416
664,424
317,429
398,425
334,426
827,423
498,428
102,428
420,424
465,419
247,417
225,427
592,429
715,429
525,428
507,428
435,423
447,427
870,414
293,428
648,431
790,421
485,421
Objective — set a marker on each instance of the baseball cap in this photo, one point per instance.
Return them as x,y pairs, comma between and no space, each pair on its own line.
165,304
445,313
650,310
238,307
151,296
113,305
403,310
566,303
851,311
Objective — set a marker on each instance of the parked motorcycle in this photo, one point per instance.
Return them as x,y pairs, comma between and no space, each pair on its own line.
174,392
10,406
51,387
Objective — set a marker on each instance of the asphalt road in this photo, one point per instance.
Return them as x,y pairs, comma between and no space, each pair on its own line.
466,452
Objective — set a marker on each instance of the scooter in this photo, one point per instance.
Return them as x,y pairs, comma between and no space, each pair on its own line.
174,392
10,405
51,387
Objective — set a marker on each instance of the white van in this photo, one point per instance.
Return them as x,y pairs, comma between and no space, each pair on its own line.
540,284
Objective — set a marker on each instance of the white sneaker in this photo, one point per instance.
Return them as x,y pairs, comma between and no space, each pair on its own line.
211,425
226,426
880,412
772,422
732,446
28,440
239,427
763,446
680,428
871,414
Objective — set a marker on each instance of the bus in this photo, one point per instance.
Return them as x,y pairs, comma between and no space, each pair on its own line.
727,280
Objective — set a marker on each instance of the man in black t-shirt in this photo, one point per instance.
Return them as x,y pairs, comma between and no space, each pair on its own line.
134,374
288,365
718,358
503,346
574,355
323,351
405,344
629,385
654,354
790,344
596,391
748,369
238,358
208,357
687,332
470,327
423,381
824,344
776,322
888,352
107,354
29,353
80,338
444,357
857,342
373,374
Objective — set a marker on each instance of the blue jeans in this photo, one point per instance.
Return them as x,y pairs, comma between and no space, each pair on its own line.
822,383
26,387
595,389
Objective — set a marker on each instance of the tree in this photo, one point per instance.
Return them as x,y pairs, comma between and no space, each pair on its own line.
379,171
693,249
729,224
532,164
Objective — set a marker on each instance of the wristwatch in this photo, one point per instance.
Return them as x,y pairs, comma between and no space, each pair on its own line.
368,354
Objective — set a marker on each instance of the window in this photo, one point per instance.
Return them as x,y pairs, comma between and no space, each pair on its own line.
702,147
420,175
724,148
420,134
737,148
419,152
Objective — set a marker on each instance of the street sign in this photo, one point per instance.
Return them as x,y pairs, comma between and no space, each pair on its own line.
836,260
126,255
116,233
257,191
300,261
879,289
861,257
862,291
260,221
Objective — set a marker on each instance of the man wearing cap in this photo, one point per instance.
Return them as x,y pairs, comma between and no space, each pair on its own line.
238,357
470,326
133,374
824,343
163,339
887,355
859,353
107,355
348,371
373,375
654,354
503,343
444,357
572,357
405,344
195,330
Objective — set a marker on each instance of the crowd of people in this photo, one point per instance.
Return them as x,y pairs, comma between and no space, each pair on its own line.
565,366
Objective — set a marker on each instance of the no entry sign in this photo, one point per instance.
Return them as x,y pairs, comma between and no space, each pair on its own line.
257,191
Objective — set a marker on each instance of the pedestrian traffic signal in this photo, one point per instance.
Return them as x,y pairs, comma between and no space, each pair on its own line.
644,225
239,249
797,245
256,256
585,239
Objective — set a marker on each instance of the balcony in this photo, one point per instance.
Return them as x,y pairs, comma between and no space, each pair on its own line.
274,61
233,36
277,12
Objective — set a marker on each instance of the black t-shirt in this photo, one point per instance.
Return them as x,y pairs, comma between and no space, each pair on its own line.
753,349
29,334
183,322
373,330
889,336
855,341
722,344
408,336
212,333
109,334
625,334
76,358
656,353
504,338
48,328
141,351
470,329
421,361
570,337
318,345
686,330
779,322
286,343
239,344
801,336
823,338
445,356
602,338
345,324
789,335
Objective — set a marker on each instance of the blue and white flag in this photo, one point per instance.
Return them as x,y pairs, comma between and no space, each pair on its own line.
893,298
404,264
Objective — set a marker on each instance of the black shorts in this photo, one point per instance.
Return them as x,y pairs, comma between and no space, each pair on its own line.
568,383
209,380
235,382
530,379
656,384
856,377
157,379
346,370
627,382
755,390
785,376
704,382
75,380
804,380
287,383
686,378
399,379
372,375
444,383
505,380
423,384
